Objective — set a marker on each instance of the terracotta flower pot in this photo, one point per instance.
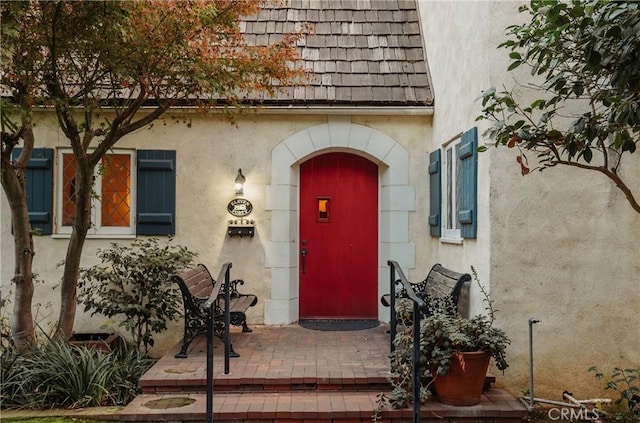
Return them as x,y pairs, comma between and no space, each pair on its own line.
465,380
99,341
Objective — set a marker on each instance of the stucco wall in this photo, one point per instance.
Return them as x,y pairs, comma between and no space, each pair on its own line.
458,75
561,246
209,152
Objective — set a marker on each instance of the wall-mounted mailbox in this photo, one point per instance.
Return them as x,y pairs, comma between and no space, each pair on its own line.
241,227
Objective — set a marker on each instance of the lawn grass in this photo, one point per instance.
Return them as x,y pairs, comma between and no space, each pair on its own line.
51,420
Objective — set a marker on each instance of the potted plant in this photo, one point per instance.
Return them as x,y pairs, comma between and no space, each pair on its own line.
458,350
102,341
455,350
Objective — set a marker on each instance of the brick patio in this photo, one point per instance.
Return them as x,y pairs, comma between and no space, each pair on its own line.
291,374
285,374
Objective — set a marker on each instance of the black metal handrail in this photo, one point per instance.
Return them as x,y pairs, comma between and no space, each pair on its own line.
418,305
223,280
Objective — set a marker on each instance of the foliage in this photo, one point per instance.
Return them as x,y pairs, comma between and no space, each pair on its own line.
42,313
5,323
129,364
401,363
57,374
134,284
585,55
443,334
626,383
48,419
98,64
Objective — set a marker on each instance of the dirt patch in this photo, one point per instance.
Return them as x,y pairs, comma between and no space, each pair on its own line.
173,402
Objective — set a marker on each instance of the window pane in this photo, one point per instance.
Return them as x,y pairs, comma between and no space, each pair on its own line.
449,198
323,209
68,189
116,190
458,187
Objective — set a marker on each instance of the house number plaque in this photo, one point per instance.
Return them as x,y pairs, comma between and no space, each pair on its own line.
240,207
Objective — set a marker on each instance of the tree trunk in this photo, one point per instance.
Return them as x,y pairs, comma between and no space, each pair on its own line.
81,225
13,184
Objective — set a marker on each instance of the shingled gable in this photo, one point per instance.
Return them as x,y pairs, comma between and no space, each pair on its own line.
359,52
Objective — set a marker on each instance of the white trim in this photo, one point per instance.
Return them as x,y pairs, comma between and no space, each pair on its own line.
453,161
447,240
452,139
96,236
306,109
97,231
349,110
282,200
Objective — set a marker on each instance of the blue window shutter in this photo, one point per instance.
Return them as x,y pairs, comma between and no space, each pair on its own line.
435,193
39,189
468,155
156,192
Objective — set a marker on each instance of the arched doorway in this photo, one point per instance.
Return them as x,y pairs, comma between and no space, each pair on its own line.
338,237
396,200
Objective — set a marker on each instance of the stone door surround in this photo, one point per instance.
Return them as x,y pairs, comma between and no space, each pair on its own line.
396,200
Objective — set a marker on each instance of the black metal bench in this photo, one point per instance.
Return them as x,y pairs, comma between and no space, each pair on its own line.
196,286
440,283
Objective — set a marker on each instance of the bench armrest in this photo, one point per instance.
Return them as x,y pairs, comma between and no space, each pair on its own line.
233,286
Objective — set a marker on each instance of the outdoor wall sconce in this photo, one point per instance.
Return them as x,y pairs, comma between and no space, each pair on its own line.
240,180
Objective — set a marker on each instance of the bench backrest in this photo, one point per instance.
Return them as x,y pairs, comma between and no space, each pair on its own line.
442,281
197,282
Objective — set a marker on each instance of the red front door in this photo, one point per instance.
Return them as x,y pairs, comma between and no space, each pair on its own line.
338,237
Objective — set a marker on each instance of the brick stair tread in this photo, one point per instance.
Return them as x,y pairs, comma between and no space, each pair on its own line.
197,383
497,404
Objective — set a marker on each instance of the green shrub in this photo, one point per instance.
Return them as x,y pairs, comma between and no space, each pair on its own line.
626,383
58,374
13,391
133,284
129,365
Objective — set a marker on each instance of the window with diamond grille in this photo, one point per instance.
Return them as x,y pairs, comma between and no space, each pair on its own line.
112,201
116,190
68,189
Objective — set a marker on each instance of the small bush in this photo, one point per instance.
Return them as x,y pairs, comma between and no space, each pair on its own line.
128,367
133,284
61,375
626,383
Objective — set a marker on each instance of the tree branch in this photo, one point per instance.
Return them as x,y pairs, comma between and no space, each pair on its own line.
611,175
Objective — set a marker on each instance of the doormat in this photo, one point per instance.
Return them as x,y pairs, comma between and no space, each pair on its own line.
337,324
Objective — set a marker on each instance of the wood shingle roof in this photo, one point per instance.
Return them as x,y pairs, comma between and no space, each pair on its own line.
358,52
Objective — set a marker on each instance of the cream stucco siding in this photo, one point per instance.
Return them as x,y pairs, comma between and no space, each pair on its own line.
561,246
458,74
269,149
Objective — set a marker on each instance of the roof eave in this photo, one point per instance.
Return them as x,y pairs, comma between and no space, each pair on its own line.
349,110
307,109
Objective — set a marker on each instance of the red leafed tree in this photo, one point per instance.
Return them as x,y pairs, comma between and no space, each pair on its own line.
97,64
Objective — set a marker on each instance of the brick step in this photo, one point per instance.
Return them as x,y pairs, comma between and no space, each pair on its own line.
259,383
329,407
231,383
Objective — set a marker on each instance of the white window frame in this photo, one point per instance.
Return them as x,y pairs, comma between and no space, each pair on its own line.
97,231
450,192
